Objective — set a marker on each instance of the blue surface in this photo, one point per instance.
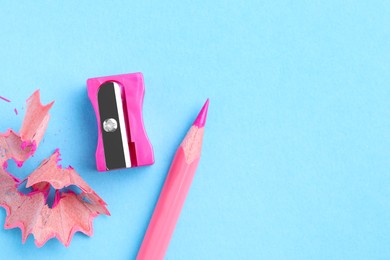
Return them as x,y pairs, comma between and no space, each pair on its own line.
295,162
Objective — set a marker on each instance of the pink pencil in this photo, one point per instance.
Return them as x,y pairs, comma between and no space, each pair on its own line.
174,192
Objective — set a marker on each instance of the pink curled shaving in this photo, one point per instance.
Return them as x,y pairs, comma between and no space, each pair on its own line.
30,212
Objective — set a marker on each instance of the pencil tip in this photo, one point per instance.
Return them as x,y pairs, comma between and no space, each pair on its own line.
200,121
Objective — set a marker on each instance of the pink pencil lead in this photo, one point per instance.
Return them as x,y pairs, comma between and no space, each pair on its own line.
200,121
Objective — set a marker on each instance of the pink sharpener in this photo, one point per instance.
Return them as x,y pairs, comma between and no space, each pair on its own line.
122,140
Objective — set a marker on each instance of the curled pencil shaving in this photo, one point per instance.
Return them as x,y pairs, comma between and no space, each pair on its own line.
12,147
21,146
30,212
36,119
70,212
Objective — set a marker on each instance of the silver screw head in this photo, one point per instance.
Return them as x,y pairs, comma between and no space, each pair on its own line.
110,125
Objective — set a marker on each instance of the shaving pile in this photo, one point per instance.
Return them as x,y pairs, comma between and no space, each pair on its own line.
70,211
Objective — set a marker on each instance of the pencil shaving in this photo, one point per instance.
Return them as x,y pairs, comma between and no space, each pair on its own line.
30,212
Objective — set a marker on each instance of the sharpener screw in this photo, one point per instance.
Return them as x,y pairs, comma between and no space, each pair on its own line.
110,125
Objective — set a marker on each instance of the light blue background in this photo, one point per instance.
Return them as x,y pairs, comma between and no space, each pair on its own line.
295,161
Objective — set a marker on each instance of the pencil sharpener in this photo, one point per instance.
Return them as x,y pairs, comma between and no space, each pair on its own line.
122,140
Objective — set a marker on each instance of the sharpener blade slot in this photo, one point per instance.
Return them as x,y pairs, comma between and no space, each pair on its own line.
112,122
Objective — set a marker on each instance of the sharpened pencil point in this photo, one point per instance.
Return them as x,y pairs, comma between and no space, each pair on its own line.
201,119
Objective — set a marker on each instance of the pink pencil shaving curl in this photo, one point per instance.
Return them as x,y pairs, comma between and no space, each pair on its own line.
30,212
5,99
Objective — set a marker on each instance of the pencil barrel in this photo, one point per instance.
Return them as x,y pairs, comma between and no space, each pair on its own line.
168,208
